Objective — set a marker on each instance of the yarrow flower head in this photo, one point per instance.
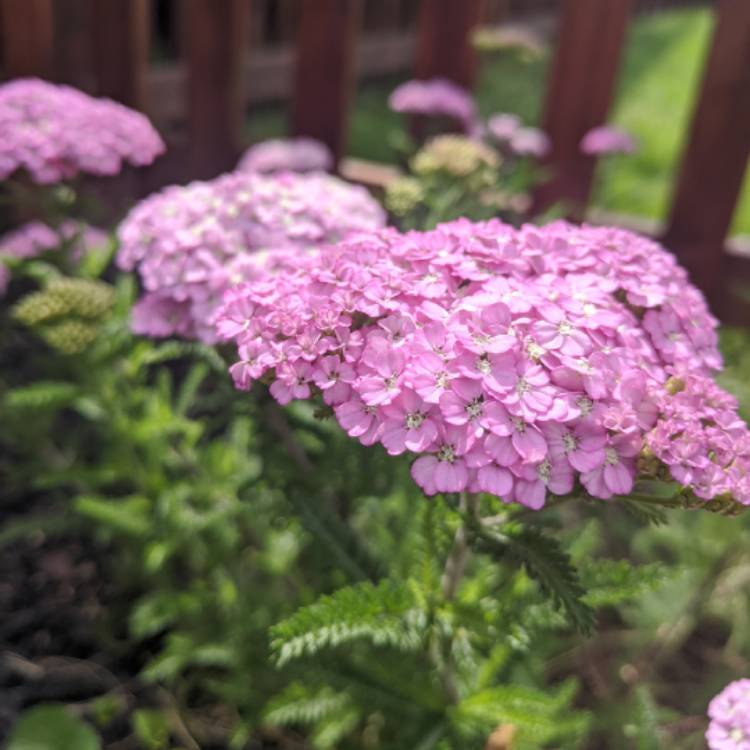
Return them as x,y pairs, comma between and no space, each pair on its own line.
729,712
512,362
436,97
36,238
287,154
53,132
607,139
191,243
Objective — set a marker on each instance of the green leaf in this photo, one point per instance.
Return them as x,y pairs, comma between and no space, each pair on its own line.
45,394
128,515
301,704
151,728
382,613
611,582
539,716
547,563
52,727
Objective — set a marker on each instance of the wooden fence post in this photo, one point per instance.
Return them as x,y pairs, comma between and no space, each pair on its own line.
216,44
27,37
716,156
324,70
581,88
121,34
444,48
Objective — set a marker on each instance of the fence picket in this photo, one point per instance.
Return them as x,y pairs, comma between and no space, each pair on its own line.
324,70
715,159
121,32
581,88
27,37
444,47
216,45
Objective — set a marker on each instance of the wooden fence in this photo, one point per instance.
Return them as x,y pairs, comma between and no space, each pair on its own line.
591,33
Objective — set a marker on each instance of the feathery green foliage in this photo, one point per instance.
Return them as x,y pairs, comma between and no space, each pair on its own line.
383,614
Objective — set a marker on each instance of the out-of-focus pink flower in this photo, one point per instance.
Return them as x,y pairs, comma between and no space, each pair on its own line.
607,139
192,243
54,132
729,712
34,238
287,154
529,142
502,126
436,97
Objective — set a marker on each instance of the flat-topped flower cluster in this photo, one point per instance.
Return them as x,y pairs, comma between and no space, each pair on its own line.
729,712
191,243
53,132
513,362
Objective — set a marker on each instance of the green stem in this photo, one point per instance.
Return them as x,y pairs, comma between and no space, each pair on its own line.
455,567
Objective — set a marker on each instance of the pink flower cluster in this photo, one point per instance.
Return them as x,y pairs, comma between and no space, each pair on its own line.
437,97
507,131
54,132
35,238
729,712
191,243
513,362
607,139
287,154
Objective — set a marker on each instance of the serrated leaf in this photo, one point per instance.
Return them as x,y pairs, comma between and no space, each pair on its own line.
611,582
377,613
549,565
45,394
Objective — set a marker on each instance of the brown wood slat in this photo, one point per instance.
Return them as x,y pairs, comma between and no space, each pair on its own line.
324,70
216,46
715,159
444,46
73,44
27,38
581,88
121,32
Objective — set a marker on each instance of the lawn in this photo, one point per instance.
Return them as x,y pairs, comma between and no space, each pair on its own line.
660,74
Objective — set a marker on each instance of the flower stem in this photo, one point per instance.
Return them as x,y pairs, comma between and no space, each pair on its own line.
455,566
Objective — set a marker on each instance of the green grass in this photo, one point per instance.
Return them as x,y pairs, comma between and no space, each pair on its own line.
661,71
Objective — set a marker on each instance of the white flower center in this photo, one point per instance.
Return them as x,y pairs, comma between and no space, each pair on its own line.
390,381
569,442
484,366
610,457
441,379
474,408
414,419
447,453
564,328
544,470
585,404
522,386
519,425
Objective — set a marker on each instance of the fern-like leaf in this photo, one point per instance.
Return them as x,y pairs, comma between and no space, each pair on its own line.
611,582
383,614
547,563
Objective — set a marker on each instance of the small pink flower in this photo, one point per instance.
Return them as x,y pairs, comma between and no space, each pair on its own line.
607,139
409,425
292,382
445,470
616,475
465,404
334,378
